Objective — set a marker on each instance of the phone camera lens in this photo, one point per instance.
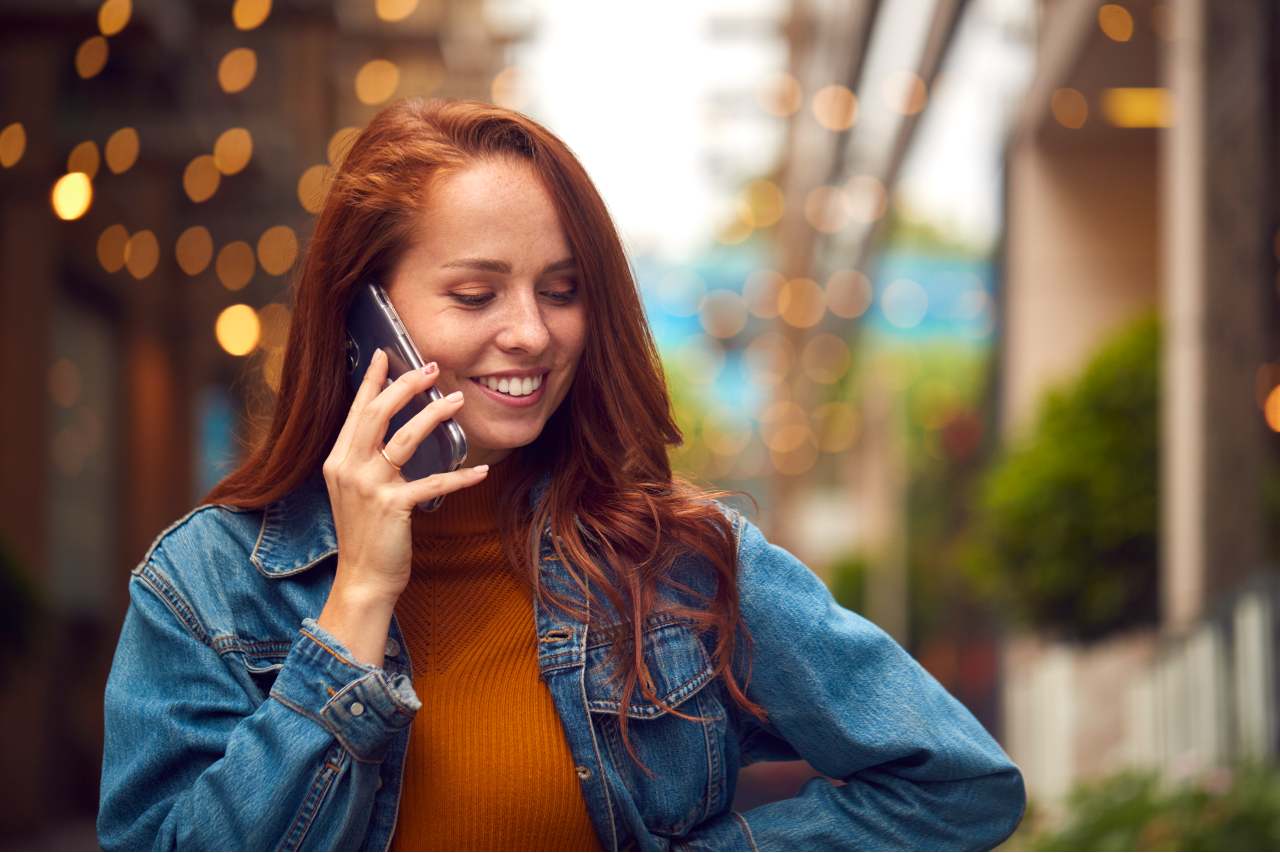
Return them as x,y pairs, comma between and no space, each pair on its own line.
353,354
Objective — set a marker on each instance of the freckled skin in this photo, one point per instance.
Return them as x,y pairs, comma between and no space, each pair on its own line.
499,210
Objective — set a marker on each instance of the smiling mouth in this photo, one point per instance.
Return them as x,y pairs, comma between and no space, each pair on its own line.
511,386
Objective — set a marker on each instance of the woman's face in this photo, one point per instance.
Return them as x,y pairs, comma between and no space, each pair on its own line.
489,291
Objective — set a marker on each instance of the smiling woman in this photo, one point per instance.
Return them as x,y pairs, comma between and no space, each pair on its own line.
578,650
506,323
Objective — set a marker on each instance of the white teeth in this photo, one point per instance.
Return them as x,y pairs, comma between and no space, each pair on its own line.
517,387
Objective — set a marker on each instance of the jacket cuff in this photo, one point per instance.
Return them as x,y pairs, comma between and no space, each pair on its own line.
360,705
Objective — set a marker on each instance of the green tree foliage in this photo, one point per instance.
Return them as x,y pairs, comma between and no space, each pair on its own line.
1067,528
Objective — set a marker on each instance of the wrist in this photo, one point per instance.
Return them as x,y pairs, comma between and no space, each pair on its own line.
360,619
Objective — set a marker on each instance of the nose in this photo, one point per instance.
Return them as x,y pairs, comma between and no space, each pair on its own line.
523,329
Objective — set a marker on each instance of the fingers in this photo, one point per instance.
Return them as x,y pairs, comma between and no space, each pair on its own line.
375,376
372,421
421,491
406,439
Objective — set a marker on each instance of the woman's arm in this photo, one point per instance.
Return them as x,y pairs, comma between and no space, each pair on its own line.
919,772
191,761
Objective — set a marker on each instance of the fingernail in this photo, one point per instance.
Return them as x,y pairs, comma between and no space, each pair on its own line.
379,354
481,468
454,397
429,367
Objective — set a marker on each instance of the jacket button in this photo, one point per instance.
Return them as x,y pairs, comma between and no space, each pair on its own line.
584,773
356,709
393,648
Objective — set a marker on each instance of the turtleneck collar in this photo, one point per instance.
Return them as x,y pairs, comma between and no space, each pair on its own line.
472,511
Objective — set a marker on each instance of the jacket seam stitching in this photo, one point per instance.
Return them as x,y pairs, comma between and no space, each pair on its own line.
325,646
311,805
746,830
174,601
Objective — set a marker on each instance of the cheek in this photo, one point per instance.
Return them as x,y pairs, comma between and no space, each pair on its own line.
570,333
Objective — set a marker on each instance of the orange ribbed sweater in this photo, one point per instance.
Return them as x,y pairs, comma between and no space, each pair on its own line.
488,766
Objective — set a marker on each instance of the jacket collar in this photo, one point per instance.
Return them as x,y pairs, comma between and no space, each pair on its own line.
297,530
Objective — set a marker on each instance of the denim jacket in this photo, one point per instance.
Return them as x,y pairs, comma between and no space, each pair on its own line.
233,721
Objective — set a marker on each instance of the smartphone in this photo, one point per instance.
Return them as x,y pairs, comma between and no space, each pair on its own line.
372,323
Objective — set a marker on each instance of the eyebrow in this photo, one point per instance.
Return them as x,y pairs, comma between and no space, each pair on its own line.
493,265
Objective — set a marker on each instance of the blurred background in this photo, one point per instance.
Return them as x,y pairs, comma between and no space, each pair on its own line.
977,298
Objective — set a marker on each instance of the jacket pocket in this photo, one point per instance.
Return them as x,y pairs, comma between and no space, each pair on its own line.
685,757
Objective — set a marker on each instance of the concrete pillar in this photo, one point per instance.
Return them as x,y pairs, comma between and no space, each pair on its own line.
1215,246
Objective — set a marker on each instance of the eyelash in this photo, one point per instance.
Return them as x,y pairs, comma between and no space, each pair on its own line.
560,297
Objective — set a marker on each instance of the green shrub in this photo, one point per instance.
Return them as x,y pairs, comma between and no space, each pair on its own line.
1066,533
1226,810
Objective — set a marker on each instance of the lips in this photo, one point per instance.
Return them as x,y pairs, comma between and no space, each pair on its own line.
522,400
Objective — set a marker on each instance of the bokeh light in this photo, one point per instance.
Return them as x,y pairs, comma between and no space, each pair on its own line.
121,150
801,303
194,250
835,107
904,92
237,329
72,195
339,144
232,150
1115,22
827,209
237,69
113,16
141,254
1272,409
765,201
13,142
723,314
376,81
235,265
312,187
250,14
848,293
904,303
277,249
1069,108
91,56
395,10
201,178
825,358
1137,106
111,243
84,158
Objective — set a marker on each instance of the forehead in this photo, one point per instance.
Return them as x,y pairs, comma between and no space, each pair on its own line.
496,208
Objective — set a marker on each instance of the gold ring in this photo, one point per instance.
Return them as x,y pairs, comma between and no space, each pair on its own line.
383,451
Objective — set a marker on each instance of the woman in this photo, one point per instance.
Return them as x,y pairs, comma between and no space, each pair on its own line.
577,651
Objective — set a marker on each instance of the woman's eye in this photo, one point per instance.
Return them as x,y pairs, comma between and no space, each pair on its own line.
474,300
562,296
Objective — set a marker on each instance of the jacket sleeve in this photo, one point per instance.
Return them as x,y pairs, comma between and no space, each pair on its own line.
192,760
917,771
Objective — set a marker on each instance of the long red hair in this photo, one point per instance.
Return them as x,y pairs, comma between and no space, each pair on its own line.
616,512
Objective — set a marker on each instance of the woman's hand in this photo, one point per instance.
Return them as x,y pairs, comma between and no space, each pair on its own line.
373,505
